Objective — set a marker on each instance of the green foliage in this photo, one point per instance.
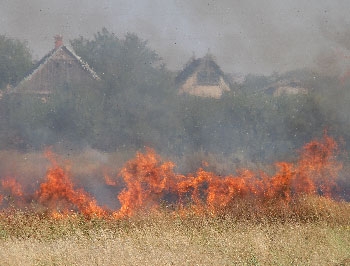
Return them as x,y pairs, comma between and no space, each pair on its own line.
136,89
15,60
256,127
122,63
136,104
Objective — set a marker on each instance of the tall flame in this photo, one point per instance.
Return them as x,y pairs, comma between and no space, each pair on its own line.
12,186
12,191
59,194
149,182
146,180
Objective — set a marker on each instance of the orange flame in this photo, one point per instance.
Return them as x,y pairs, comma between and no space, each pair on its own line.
149,182
146,182
58,193
318,168
13,191
109,181
12,186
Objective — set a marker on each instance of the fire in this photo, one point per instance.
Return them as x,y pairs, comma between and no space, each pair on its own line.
318,168
149,183
109,180
58,193
12,186
13,191
147,180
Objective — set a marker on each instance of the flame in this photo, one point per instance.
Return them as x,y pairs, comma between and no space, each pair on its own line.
12,186
149,182
146,180
318,168
13,191
59,194
109,180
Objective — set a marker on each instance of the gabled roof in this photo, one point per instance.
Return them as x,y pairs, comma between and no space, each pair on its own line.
38,66
206,63
203,77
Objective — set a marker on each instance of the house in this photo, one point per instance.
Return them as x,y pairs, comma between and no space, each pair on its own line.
61,66
202,77
286,87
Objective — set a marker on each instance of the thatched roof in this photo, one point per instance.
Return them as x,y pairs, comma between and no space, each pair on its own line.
203,77
51,56
205,65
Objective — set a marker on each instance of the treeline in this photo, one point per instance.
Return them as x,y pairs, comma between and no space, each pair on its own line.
136,104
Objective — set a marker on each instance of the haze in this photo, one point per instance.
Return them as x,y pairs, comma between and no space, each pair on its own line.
244,36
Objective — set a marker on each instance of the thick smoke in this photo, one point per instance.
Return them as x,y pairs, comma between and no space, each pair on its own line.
245,36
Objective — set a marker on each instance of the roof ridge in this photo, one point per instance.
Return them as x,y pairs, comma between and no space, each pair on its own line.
84,64
199,63
41,63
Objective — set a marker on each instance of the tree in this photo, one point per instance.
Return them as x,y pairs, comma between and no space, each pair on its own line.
136,89
16,60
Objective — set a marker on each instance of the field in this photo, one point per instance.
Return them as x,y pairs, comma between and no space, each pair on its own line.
80,212
162,239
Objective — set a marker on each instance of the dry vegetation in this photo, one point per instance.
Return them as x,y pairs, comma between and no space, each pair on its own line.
56,222
321,236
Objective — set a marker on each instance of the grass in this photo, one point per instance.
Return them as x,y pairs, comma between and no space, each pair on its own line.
310,230
28,238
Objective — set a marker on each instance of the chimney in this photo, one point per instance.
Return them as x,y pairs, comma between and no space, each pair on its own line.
58,41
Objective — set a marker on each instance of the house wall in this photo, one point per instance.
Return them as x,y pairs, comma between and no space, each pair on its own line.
289,91
192,87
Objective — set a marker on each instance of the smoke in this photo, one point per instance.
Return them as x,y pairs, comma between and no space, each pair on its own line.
245,36
149,182
333,59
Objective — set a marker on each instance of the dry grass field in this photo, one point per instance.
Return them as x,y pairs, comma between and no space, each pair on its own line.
323,238
55,212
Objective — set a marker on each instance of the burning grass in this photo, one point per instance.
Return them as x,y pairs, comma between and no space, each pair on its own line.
148,184
293,216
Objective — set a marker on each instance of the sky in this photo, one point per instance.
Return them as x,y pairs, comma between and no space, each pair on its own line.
244,36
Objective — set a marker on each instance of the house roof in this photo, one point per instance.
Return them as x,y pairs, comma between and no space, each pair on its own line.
39,65
206,63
